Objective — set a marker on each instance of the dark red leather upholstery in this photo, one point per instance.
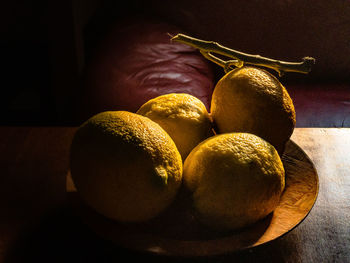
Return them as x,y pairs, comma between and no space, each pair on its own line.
280,29
286,30
321,105
141,56
137,62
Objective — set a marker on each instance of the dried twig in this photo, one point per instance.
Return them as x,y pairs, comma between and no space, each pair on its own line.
239,58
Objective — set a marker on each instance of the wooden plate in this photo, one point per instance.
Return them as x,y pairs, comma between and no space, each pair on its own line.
177,232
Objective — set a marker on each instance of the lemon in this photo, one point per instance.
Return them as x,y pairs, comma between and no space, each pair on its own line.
252,100
236,180
183,116
125,166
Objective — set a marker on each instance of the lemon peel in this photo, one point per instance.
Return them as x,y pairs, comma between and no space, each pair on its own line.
236,179
183,116
125,166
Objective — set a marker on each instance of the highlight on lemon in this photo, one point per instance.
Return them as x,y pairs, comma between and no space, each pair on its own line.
183,116
236,179
251,100
125,166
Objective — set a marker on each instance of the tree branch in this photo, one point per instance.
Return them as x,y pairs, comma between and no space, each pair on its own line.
239,58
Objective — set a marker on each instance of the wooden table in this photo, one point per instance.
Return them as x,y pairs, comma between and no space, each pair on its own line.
38,225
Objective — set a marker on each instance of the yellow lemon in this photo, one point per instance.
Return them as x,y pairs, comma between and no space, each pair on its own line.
252,100
183,116
125,166
236,180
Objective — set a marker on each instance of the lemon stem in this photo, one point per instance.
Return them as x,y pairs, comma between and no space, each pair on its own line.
239,58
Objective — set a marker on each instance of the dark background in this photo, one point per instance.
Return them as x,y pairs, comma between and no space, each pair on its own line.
26,66
42,59
44,45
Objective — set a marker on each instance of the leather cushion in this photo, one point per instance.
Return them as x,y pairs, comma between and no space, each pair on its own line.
321,105
137,62
281,29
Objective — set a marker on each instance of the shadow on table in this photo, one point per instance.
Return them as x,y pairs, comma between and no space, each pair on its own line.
61,237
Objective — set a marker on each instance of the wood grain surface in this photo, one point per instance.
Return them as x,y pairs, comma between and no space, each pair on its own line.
38,225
